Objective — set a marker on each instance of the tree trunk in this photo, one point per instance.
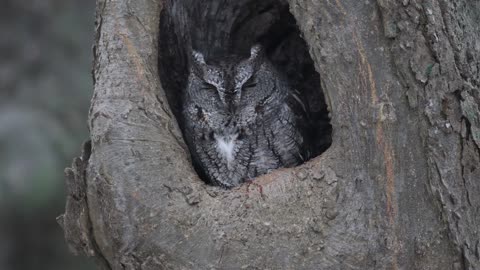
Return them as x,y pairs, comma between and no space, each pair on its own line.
397,189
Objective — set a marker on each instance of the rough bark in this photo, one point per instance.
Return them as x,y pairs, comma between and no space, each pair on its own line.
398,188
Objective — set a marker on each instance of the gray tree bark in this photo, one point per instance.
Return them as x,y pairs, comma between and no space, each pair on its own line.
397,189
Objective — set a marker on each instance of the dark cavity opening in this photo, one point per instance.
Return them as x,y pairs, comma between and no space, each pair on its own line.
224,27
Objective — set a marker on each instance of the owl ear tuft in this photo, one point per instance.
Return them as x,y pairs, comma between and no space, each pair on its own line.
198,57
256,51
256,56
197,63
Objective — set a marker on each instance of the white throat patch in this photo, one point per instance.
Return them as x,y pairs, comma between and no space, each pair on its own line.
226,146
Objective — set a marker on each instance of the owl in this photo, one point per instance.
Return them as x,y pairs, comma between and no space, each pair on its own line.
240,118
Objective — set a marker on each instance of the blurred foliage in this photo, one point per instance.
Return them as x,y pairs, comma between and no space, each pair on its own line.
45,88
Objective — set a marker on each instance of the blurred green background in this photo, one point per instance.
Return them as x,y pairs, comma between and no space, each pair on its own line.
45,89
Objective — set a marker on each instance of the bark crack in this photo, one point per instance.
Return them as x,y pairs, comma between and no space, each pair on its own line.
462,168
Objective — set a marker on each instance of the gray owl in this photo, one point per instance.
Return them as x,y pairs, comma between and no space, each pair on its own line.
240,118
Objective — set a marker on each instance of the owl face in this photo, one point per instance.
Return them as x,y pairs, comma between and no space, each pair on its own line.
237,121
227,85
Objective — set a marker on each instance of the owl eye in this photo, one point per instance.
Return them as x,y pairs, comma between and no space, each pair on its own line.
251,83
207,86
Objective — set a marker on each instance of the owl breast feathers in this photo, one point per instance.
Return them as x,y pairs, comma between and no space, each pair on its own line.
240,119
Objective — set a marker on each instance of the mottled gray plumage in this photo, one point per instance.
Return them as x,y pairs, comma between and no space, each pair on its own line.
240,118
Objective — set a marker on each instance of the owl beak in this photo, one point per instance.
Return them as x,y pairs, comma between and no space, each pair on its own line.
231,101
232,108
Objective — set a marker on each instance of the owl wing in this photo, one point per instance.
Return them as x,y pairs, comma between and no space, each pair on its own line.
299,107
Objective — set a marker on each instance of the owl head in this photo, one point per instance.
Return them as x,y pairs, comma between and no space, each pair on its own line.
227,82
